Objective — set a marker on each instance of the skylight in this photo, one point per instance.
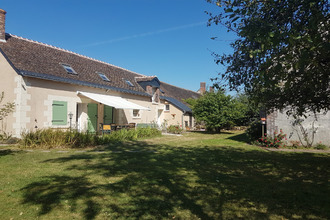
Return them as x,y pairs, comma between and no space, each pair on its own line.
104,77
129,83
69,69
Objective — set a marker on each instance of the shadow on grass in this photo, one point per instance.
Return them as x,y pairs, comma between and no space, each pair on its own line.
240,138
5,152
140,181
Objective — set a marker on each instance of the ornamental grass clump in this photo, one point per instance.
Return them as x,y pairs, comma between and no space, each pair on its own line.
52,138
277,142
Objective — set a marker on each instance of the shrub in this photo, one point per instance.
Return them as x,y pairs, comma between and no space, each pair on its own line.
276,142
148,132
174,129
50,138
321,146
254,130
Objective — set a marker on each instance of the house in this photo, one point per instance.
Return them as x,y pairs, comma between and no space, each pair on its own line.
56,88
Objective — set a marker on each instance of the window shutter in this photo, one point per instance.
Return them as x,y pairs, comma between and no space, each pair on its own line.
60,112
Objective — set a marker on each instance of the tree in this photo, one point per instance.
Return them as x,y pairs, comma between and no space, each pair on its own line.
250,110
217,110
281,57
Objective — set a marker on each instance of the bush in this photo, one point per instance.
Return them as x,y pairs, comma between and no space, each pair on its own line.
321,146
174,129
50,138
276,142
254,130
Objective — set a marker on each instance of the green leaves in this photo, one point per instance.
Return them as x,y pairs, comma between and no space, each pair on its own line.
218,110
283,52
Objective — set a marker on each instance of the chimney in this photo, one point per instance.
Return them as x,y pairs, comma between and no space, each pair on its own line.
211,89
202,88
2,25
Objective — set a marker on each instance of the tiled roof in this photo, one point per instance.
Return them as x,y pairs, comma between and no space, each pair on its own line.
177,92
38,60
178,104
176,95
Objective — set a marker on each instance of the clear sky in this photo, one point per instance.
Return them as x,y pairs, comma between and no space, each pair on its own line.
166,38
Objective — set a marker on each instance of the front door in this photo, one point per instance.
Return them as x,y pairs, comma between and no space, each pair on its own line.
92,117
108,115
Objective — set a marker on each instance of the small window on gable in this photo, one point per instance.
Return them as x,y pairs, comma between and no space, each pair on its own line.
69,69
129,83
104,77
167,107
136,113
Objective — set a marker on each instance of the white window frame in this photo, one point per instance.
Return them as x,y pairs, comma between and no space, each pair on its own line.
69,69
165,109
129,83
103,77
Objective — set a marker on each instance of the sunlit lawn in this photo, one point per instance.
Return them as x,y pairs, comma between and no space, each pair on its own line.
195,176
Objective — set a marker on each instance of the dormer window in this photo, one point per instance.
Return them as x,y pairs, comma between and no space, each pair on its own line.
69,69
104,77
129,83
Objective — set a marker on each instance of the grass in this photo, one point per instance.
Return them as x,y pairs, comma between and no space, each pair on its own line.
194,176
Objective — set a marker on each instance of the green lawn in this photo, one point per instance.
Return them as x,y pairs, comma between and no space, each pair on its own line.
195,176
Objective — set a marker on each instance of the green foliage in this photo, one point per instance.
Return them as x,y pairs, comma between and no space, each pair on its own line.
277,142
218,110
190,101
254,131
281,56
50,138
250,111
320,146
174,129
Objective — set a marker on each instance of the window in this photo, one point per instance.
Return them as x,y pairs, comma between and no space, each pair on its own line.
136,113
69,69
167,107
60,112
104,77
129,83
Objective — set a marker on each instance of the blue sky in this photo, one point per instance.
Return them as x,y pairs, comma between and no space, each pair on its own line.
168,38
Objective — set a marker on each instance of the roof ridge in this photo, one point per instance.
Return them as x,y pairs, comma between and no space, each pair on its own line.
68,51
145,76
180,87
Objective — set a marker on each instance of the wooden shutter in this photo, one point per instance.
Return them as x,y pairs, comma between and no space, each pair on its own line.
60,112
107,114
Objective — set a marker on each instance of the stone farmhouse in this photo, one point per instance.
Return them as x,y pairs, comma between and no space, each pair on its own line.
55,88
